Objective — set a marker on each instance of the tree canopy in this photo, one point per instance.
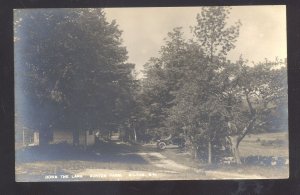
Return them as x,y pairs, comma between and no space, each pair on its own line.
71,69
72,73
197,91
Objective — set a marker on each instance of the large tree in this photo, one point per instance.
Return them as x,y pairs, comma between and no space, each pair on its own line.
192,87
71,70
185,78
252,98
163,76
216,39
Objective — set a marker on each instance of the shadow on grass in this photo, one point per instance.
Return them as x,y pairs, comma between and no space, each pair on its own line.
101,152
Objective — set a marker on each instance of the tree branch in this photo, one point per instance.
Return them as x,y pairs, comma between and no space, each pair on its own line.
246,130
252,111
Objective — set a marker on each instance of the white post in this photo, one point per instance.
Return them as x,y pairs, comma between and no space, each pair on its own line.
23,137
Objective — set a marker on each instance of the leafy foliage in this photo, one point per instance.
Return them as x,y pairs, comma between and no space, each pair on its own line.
195,90
71,73
71,69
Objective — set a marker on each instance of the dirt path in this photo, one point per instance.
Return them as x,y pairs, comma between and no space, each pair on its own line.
163,168
161,161
134,163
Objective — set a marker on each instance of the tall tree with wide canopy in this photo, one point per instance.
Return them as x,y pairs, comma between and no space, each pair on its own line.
189,73
192,88
253,97
71,70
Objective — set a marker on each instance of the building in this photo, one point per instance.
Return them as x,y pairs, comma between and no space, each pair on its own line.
79,138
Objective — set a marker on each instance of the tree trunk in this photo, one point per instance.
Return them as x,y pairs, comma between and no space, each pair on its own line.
44,137
194,149
85,140
234,148
209,140
23,137
209,152
236,139
76,137
195,153
134,132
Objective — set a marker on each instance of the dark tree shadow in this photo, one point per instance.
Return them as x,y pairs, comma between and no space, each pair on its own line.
100,152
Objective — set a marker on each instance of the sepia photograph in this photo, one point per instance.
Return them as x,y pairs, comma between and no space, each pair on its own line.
151,93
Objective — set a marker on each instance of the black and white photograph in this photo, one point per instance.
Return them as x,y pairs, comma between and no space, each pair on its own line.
151,93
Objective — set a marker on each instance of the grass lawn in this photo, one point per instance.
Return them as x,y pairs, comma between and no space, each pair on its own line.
266,144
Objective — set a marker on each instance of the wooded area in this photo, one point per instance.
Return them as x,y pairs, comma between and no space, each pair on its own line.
71,72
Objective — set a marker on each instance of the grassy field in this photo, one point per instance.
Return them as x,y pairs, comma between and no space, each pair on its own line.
263,145
266,144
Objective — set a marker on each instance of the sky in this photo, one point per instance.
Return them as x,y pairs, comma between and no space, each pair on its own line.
262,34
